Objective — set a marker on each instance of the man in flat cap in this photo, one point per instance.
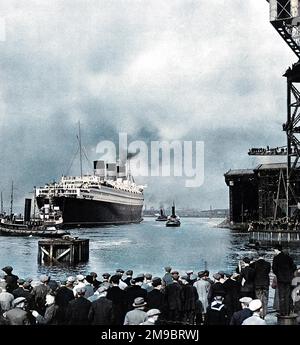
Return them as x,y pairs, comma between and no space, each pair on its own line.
134,291
167,278
203,287
10,279
232,289
64,295
152,315
101,311
239,316
118,298
189,301
96,283
173,293
6,298
23,291
129,275
255,320
147,284
155,298
18,315
78,309
216,289
39,293
138,315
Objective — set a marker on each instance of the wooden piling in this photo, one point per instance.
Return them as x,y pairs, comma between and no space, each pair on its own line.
63,250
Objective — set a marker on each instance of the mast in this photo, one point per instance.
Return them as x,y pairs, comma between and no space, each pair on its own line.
12,199
2,210
80,148
34,201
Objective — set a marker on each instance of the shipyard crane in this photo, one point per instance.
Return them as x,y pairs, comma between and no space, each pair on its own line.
285,18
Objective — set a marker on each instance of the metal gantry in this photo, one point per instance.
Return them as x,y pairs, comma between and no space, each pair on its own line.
284,16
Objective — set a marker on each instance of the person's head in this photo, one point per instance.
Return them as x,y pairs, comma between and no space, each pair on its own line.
94,275
106,276
80,292
278,248
89,279
217,277
184,280
255,305
245,301
129,273
53,285
3,286
115,279
19,302
175,275
70,281
20,282
80,278
168,269
148,276
102,290
246,260
219,298
139,279
7,269
120,272
153,314
44,279
201,274
157,282
139,303
50,299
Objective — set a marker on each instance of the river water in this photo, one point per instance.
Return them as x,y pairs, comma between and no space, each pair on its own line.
144,247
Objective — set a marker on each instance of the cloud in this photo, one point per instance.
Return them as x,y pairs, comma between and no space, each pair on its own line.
157,70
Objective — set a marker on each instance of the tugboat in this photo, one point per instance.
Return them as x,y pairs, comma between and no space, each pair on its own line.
162,216
173,220
47,226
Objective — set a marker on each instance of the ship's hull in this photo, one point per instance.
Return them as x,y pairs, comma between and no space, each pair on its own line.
78,212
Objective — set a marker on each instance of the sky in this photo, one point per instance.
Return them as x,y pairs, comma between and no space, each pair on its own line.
194,70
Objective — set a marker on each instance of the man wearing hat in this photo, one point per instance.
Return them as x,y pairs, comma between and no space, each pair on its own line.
10,279
23,291
78,309
247,276
88,281
6,298
173,293
152,315
147,284
129,275
216,289
203,287
283,267
96,282
255,320
39,293
138,315
118,298
18,315
120,273
79,283
101,311
135,290
262,270
232,289
64,295
189,300
216,313
155,298
239,316
167,278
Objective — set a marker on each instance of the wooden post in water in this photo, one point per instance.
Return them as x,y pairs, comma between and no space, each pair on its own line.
66,250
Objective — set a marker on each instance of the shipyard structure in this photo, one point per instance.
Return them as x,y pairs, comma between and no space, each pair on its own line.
266,199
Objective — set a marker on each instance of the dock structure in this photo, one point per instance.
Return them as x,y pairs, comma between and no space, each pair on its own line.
67,250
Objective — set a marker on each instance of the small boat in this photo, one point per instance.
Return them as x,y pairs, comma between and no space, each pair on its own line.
173,220
162,216
11,228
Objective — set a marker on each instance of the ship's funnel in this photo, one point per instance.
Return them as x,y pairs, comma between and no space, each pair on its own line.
283,9
111,169
99,169
173,211
27,210
121,171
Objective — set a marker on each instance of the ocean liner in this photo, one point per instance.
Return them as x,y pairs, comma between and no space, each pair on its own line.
108,196
98,199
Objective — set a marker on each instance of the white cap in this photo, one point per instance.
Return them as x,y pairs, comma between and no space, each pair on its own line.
255,305
80,277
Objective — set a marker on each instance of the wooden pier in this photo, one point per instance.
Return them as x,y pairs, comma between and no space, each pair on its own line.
64,250
275,237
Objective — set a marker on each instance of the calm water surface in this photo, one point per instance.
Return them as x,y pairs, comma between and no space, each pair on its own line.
144,247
